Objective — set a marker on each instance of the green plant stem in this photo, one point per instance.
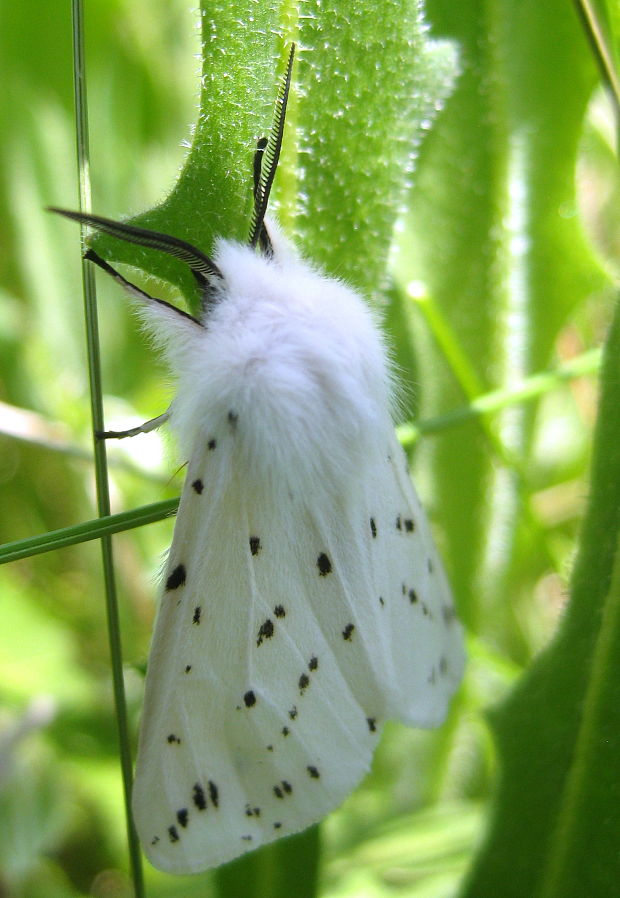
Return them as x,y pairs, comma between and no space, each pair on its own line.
497,400
101,473
603,48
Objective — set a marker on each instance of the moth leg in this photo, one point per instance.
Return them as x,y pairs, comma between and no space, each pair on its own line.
137,292
147,427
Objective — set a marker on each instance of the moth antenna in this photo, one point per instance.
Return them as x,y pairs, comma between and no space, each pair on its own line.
267,155
201,266
264,241
259,152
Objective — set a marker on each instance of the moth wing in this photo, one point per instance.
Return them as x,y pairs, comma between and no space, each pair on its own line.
252,726
289,630
425,639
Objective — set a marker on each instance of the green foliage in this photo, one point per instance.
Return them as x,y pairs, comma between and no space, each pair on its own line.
366,79
497,300
556,829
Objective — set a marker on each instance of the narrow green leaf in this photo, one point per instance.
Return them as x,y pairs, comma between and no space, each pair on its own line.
87,530
556,827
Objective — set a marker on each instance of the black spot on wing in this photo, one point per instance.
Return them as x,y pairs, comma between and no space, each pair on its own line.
255,545
399,523
303,682
211,445
214,793
172,832
313,772
409,525
448,613
285,731
197,614
182,817
265,631
347,633
279,611
293,712
177,577
249,699
198,486
173,740
324,565
282,789
373,528
188,667
277,825
198,797
313,663
372,724
233,419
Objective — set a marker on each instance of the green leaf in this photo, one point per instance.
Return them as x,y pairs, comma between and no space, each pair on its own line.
556,827
213,194
287,867
367,79
494,237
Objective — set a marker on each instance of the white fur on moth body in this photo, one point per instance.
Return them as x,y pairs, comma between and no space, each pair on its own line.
305,603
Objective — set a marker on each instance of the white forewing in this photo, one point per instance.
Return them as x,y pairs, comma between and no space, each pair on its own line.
304,602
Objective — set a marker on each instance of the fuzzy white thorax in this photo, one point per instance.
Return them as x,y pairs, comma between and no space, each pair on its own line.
294,358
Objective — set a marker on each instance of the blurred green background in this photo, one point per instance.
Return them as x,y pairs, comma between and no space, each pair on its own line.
502,268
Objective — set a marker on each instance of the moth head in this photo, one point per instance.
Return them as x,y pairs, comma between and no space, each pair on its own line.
204,269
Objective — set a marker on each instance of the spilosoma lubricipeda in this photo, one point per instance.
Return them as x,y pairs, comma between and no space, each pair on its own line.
303,601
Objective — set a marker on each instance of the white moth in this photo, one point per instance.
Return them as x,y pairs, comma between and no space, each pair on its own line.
303,601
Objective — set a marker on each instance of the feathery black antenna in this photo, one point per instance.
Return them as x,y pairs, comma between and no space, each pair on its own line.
202,267
266,159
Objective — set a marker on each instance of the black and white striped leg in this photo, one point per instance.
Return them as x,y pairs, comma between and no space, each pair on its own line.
137,292
147,427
